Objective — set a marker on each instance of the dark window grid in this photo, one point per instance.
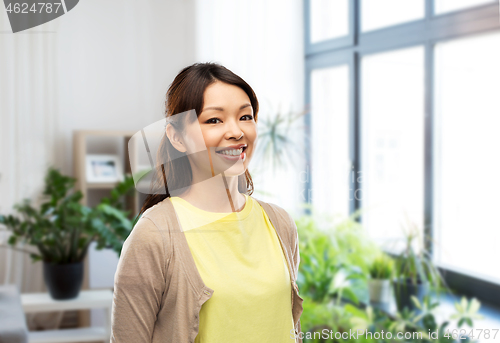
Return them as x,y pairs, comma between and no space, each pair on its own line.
427,32
334,43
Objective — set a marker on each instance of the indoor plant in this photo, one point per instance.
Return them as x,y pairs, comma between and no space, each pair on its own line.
381,273
277,147
328,278
62,230
329,256
416,274
416,328
334,261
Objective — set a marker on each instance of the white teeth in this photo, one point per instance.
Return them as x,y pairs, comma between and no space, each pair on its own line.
231,152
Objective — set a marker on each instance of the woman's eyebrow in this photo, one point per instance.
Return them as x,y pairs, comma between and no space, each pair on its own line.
221,109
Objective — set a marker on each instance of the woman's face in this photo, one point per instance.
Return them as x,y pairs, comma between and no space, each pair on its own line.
226,116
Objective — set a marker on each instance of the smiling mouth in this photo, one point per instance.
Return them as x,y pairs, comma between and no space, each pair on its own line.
231,152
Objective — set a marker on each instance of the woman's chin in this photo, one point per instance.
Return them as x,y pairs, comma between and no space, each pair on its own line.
235,170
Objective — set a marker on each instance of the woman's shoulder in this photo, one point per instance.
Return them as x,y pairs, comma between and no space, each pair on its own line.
156,208
286,221
280,211
155,224
162,214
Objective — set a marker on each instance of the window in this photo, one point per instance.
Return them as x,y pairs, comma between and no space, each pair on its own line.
392,131
416,114
329,19
378,14
467,159
442,6
330,165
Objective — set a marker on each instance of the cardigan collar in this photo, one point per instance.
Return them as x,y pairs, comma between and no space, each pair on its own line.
188,257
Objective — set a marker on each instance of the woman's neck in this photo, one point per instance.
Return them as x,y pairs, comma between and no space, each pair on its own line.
211,195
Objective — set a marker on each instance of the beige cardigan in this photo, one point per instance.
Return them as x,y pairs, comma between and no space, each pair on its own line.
158,291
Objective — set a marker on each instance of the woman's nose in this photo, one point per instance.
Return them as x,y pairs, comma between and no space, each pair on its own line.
233,130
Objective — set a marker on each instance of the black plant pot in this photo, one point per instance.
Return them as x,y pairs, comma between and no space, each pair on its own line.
404,289
63,281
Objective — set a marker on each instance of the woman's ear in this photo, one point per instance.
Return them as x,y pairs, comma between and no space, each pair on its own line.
175,138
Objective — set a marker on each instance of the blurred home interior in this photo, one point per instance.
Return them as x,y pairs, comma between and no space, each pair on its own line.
389,166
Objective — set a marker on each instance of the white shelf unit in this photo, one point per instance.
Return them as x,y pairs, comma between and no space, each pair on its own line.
87,299
108,142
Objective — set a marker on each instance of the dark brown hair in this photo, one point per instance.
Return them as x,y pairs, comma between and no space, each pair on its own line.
184,94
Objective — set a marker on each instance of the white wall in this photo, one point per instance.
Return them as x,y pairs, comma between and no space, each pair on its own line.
107,65
261,41
117,59
103,65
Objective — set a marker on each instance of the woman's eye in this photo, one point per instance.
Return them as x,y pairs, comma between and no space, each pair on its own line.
209,121
213,120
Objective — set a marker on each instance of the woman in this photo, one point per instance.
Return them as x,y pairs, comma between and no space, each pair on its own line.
206,262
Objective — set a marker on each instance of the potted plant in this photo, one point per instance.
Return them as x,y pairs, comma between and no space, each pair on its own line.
381,273
333,269
417,328
415,272
62,230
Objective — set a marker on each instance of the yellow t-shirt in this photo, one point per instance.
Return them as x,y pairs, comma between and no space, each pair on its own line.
239,256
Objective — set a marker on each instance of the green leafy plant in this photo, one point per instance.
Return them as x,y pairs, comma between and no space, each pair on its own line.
318,267
334,261
427,326
467,311
337,260
417,268
421,328
382,267
325,273
62,228
317,316
276,146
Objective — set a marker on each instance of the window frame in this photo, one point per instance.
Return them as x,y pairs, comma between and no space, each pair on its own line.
327,60
333,43
427,32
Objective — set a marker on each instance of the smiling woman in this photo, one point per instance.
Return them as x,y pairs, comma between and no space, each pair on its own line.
227,111
236,151
207,262
231,129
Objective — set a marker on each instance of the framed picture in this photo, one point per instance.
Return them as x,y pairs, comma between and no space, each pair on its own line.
103,168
